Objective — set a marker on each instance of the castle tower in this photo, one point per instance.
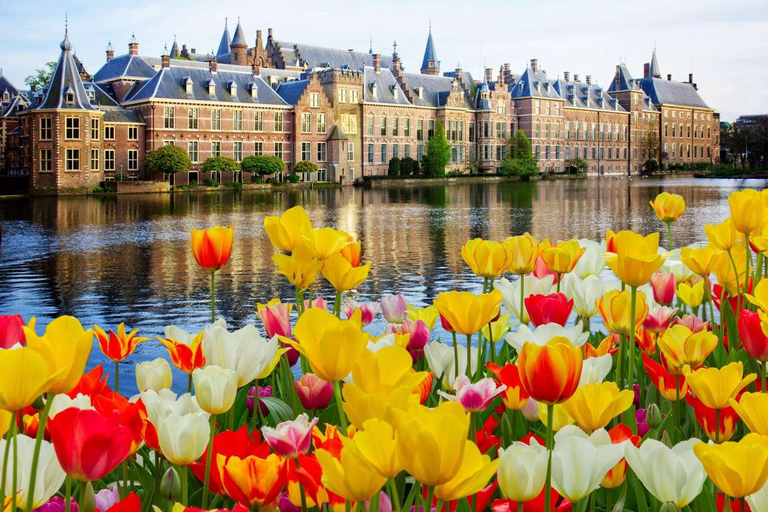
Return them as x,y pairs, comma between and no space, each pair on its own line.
225,41
654,70
238,53
430,65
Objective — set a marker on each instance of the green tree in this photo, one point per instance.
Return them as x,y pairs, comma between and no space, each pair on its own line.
305,166
408,166
262,164
168,160
438,153
520,160
220,164
42,76
394,167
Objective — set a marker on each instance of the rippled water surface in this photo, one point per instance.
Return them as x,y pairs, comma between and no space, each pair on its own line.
127,258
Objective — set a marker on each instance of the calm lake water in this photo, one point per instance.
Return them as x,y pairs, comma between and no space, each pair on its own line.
127,259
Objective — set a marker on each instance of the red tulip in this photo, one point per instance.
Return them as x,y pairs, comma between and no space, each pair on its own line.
314,393
11,331
721,431
89,445
752,337
546,309
92,384
514,397
131,415
541,270
735,503
131,503
663,286
485,439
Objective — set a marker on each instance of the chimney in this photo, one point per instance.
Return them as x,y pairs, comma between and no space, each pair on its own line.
507,67
501,75
567,76
459,74
212,64
255,68
589,79
669,77
133,46
377,62
110,52
535,65
690,78
646,70
269,33
488,75
166,59
258,39
576,77
193,51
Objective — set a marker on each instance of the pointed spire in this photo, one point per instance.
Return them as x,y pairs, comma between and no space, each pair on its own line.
430,55
65,89
174,47
370,45
239,38
655,71
65,44
225,41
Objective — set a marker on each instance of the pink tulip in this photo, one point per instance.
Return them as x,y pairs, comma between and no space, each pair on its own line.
419,336
276,318
264,392
658,319
663,288
393,307
105,498
385,505
694,323
57,504
317,302
314,393
10,331
474,397
368,310
285,504
290,438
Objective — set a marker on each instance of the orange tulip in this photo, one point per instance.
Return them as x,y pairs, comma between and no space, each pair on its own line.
550,373
253,482
562,257
682,347
117,346
186,357
671,387
514,397
351,253
615,308
211,247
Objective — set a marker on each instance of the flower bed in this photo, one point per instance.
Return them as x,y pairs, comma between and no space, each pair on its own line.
524,406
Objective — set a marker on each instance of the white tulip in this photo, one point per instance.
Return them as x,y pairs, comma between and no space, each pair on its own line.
48,478
522,471
672,475
544,333
510,291
595,369
165,403
673,264
758,502
531,410
591,262
580,461
388,340
215,388
584,293
186,337
440,358
183,438
62,402
155,375
244,351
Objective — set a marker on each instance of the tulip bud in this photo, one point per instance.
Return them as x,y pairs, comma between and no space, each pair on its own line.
88,500
170,485
653,417
666,439
39,403
668,507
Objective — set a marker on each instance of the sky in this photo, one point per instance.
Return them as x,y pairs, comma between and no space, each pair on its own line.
721,42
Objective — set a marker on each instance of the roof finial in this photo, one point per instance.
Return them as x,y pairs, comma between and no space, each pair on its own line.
394,51
370,43
65,44
226,20
165,49
430,24
66,22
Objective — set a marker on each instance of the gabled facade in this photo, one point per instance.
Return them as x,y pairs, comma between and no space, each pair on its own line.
11,102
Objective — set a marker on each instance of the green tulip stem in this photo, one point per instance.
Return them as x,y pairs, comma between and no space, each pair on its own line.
337,305
374,502
117,377
550,441
213,297
158,476
522,298
10,439
394,497
492,346
340,407
469,355
455,355
36,453
559,278
184,485
439,506
6,453
189,384
67,494
430,494
208,462
721,334
299,301
520,506
743,506
256,416
762,376
83,494
632,309
669,232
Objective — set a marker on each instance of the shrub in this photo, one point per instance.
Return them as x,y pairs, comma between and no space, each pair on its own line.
394,167
262,164
292,178
168,160
220,164
650,165
305,166
208,182
233,185
256,178
408,167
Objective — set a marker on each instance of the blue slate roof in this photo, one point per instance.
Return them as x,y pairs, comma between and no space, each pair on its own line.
239,37
382,87
291,91
322,57
11,108
430,54
467,80
125,66
583,95
667,92
483,99
533,84
654,69
121,115
6,85
65,80
436,90
625,82
169,83
225,41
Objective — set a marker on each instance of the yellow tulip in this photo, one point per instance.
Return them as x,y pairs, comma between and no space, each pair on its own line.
466,312
699,261
716,386
760,297
25,374
737,469
486,258
562,257
325,242
5,421
498,328
361,406
524,250
668,207
560,417
682,347
385,370
747,211
722,267
593,406
473,475
722,235
68,346
331,346
350,476
636,258
761,239
431,442
300,267
692,296
343,276
285,232
428,315
615,308
376,443
752,408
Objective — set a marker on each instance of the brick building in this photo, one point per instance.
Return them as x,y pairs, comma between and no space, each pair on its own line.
349,112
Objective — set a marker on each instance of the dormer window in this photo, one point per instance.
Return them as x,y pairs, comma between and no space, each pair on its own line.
233,88
420,92
393,88
188,85
6,96
254,91
374,88
211,87
70,97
